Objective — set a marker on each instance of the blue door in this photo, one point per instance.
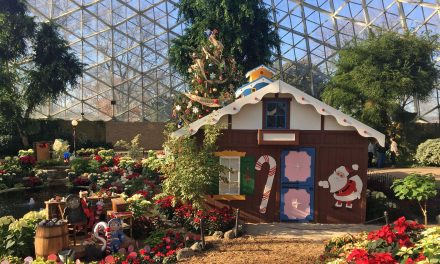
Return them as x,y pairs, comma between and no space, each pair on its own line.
297,182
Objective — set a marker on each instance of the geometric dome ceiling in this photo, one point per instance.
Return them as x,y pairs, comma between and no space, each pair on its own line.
125,44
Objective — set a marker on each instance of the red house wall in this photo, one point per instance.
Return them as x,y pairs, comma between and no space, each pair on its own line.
333,149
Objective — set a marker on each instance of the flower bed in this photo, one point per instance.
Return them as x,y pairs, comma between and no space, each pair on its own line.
161,248
215,219
106,172
20,171
401,242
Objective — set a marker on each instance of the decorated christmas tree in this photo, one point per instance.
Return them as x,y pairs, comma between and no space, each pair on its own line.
214,78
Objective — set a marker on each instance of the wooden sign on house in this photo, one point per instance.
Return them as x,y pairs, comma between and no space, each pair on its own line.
292,157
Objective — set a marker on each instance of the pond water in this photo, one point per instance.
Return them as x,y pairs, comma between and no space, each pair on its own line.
16,203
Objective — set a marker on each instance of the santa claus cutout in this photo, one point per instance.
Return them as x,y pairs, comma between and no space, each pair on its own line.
345,185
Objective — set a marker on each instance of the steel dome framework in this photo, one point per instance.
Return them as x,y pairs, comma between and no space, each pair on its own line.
125,44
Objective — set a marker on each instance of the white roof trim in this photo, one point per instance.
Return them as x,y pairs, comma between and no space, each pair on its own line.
301,97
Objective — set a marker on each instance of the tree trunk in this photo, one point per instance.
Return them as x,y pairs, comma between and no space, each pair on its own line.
24,137
424,212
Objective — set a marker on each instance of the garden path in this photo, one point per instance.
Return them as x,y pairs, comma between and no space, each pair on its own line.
402,172
306,231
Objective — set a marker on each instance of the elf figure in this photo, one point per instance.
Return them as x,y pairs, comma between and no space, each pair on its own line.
87,210
99,210
345,185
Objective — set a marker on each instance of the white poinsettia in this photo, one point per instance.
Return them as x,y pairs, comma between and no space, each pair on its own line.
178,107
195,110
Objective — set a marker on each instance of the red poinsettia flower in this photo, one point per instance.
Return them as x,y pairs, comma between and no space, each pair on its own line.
405,242
383,258
400,225
359,256
384,233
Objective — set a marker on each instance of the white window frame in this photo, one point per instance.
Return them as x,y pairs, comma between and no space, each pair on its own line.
228,174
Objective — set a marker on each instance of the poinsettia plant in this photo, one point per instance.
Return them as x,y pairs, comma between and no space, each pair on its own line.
400,242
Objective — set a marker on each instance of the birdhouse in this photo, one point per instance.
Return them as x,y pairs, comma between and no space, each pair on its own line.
260,71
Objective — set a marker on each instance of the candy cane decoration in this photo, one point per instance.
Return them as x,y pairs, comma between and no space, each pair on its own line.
272,169
105,242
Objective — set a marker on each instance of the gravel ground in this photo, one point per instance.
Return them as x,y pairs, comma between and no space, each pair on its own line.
259,249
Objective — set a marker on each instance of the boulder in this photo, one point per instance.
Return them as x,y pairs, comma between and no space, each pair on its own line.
197,246
185,253
230,234
218,234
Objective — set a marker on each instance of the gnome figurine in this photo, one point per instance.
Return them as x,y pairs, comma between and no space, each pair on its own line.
345,184
74,212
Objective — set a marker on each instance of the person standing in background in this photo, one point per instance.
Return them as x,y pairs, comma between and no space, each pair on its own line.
380,155
394,151
371,150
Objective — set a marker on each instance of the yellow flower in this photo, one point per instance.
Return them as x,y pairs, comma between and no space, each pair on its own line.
6,220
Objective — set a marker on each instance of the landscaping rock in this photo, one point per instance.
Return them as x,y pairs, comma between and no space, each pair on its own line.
185,253
197,246
230,234
218,234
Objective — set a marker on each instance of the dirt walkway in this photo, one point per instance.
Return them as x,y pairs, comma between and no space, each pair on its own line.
259,249
306,231
275,243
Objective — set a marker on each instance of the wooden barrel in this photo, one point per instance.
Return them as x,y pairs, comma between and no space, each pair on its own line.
51,240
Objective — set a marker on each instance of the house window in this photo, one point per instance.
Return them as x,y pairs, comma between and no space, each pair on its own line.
276,114
230,180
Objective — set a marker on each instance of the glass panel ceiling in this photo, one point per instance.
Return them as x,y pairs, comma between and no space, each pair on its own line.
125,45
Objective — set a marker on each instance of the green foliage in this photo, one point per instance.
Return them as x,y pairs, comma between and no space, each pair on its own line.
245,27
18,240
155,237
376,78
106,153
79,166
126,163
87,152
138,205
26,152
12,260
428,153
416,187
49,163
50,66
135,151
190,170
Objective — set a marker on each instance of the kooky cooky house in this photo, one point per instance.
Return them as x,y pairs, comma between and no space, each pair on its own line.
292,157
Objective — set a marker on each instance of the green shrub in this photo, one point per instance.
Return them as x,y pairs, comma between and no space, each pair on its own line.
428,153
49,163
135,151
18,235
416,187
79,166
155,237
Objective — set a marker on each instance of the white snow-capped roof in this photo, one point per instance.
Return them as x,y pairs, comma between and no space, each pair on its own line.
301,97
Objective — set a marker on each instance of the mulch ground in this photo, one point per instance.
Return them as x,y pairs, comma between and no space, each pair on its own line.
259,249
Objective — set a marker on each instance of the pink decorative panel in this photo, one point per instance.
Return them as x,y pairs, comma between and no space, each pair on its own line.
296,204
298,165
